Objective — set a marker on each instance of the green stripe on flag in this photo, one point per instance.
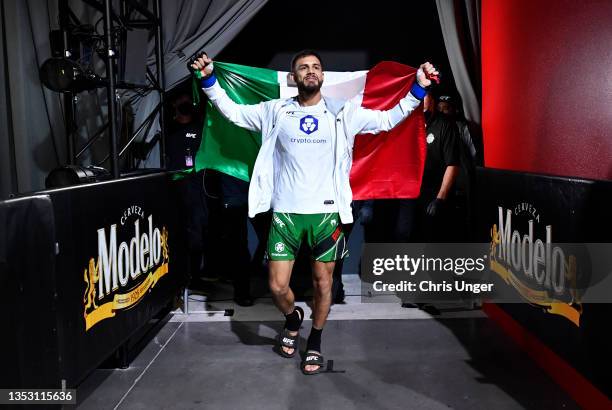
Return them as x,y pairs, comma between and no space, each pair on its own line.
226,147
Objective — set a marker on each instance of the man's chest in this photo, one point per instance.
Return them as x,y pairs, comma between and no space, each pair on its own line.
305,132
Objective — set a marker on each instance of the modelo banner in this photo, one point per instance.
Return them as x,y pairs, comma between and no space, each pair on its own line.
538,215
118,262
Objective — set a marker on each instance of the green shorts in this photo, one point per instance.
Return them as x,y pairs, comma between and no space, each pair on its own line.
323,233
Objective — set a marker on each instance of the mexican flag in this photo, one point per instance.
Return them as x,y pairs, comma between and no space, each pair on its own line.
386,165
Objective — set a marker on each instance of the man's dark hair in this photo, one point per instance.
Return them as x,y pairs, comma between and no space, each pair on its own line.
305,53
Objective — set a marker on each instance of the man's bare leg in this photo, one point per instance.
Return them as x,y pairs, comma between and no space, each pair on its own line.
322,279
282,295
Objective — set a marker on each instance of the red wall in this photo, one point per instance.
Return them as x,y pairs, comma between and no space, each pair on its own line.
547,86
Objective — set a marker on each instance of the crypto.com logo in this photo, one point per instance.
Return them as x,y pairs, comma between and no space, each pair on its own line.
309,124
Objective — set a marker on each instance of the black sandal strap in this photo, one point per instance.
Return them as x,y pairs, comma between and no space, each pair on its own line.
288,340
313,359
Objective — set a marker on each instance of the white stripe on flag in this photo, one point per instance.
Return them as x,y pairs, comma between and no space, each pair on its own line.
341,85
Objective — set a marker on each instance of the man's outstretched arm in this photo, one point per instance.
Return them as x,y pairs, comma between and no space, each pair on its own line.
374,121
244,116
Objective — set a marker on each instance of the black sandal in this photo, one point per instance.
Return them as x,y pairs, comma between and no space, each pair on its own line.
312,359
290,341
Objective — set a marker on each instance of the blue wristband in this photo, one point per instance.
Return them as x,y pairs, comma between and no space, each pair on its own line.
208,82
418,91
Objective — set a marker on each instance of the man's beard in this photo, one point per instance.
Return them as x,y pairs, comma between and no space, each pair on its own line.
309,89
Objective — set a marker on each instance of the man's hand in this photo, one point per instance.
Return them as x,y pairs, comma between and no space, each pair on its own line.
426,73
434,208
203,65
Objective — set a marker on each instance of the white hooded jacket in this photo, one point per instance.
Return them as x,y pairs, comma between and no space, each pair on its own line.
350,120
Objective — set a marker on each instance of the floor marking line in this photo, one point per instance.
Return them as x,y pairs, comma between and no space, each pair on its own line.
147,368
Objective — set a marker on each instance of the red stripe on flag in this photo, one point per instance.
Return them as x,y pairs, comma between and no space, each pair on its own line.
390,164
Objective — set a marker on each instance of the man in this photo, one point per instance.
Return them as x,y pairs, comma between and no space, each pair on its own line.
302,173
468,159
441,169
182,142
432,208
184,138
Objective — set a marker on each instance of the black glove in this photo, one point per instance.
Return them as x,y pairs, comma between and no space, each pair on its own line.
435,207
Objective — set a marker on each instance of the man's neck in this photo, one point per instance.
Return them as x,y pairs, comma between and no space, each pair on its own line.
306,100
182,119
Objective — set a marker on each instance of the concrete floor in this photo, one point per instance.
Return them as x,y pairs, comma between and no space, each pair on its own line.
391,358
